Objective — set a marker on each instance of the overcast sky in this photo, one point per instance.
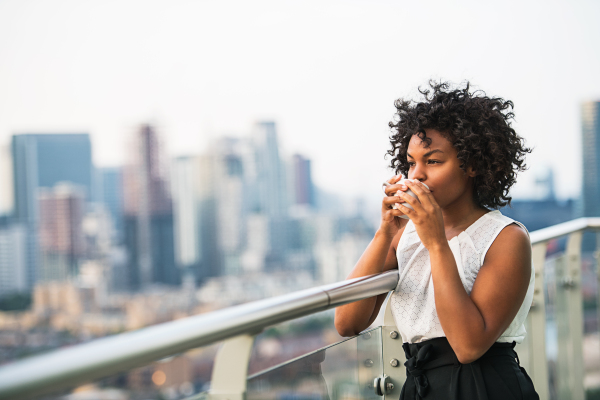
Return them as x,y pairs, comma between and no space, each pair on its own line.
326,71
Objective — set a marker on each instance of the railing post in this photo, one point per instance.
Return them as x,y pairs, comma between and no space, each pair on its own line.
533,350
575,315
569,321
393,354
230,371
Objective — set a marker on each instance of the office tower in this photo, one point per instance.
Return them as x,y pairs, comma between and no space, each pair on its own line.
61,241
270,179
229,194
6,185
13,258
271,188
209,250
43,160
148,215
185,184
111,195
590,193
302,185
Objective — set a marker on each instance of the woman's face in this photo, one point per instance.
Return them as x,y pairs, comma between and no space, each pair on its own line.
438,167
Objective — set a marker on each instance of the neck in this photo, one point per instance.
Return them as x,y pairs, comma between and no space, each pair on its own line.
462,212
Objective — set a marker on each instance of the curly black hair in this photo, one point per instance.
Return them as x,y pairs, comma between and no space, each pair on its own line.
479,128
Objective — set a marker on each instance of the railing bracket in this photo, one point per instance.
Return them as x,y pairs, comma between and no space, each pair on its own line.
383,385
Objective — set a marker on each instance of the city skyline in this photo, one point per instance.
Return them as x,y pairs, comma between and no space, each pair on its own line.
240,207
200,70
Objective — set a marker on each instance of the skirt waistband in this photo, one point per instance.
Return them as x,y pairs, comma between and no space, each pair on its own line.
461,381
436,352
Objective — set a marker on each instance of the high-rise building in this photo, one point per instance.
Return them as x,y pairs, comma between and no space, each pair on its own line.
42,161
302,185
229,194
590,191
13,258
111,195
6,185
270,179
208,205
185,184
61,240
272,193
148,214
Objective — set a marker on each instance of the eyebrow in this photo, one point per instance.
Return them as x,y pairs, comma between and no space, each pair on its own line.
428,153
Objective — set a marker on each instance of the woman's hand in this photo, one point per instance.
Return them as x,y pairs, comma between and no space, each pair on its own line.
391,222
426,214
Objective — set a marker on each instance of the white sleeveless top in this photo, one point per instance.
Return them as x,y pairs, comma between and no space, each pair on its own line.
413,304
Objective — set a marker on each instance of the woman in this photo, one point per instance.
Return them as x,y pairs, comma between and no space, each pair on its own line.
466,278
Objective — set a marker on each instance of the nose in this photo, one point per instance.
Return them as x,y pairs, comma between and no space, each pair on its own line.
418,172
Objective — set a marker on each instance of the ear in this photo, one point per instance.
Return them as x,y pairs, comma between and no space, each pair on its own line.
471,173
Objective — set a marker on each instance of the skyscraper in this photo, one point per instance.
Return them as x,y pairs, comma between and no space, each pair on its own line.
272,193
590,191
270,179
13,258
111,195
61,240
228,192
148,215
302,185
43,160
6,185
185,182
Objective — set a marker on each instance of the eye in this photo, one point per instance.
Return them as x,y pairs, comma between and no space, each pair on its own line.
433,161
411,164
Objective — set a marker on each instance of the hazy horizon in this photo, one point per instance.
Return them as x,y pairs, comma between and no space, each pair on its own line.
326,72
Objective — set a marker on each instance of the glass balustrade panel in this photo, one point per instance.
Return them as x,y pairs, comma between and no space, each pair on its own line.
343,371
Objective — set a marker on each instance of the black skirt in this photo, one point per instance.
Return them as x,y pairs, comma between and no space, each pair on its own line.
433,372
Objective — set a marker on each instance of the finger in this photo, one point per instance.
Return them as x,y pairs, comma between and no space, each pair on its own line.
392,213
418,186
396,213
391,200
407,198
392,189
405,210
423,193
394,179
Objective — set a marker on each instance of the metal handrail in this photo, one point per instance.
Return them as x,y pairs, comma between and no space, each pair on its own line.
82,363
68,367
556,231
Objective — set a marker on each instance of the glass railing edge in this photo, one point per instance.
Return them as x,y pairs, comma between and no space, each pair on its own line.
283,364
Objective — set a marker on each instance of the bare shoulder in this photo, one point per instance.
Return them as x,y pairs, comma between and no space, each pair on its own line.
509,257
512,242
503,279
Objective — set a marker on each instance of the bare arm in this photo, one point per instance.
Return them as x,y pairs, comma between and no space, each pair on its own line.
473,323
380,256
